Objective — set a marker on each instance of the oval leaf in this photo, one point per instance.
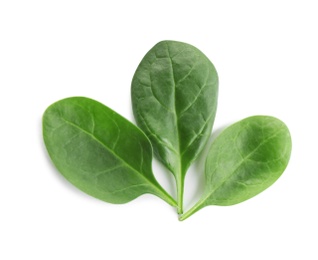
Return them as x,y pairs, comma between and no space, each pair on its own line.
244,160
99,151
174,97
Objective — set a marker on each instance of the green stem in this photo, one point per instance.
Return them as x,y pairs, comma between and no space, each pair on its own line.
166,197
193,210
180,189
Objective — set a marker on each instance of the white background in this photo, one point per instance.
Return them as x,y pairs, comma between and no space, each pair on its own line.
266,54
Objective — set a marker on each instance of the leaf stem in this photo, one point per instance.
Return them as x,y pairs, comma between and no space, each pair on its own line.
166,197
199,205
180,190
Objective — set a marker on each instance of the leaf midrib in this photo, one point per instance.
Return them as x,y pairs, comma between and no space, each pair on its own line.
179,173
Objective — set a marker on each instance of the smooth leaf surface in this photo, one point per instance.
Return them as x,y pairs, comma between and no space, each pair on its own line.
174,97
244,160
99,151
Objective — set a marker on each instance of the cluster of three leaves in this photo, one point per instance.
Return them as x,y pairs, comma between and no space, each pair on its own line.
174,97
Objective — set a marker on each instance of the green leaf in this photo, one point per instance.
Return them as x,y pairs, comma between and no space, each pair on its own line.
245,159
174,98
99,151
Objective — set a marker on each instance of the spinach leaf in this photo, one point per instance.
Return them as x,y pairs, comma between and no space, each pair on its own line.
245,159
100,152
174,97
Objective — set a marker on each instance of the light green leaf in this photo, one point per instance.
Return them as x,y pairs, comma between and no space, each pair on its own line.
244,160
99,151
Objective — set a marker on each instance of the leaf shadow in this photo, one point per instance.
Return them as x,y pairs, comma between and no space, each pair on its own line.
196,175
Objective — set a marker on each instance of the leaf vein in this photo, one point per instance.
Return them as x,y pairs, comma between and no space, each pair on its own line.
175,98
147,125
197,136
108,148
131,186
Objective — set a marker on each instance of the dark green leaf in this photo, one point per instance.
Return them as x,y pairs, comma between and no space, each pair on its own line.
244,160
174,97
99,151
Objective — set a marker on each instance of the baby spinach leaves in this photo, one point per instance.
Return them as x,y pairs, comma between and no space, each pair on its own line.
245,159
174,96
99,151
